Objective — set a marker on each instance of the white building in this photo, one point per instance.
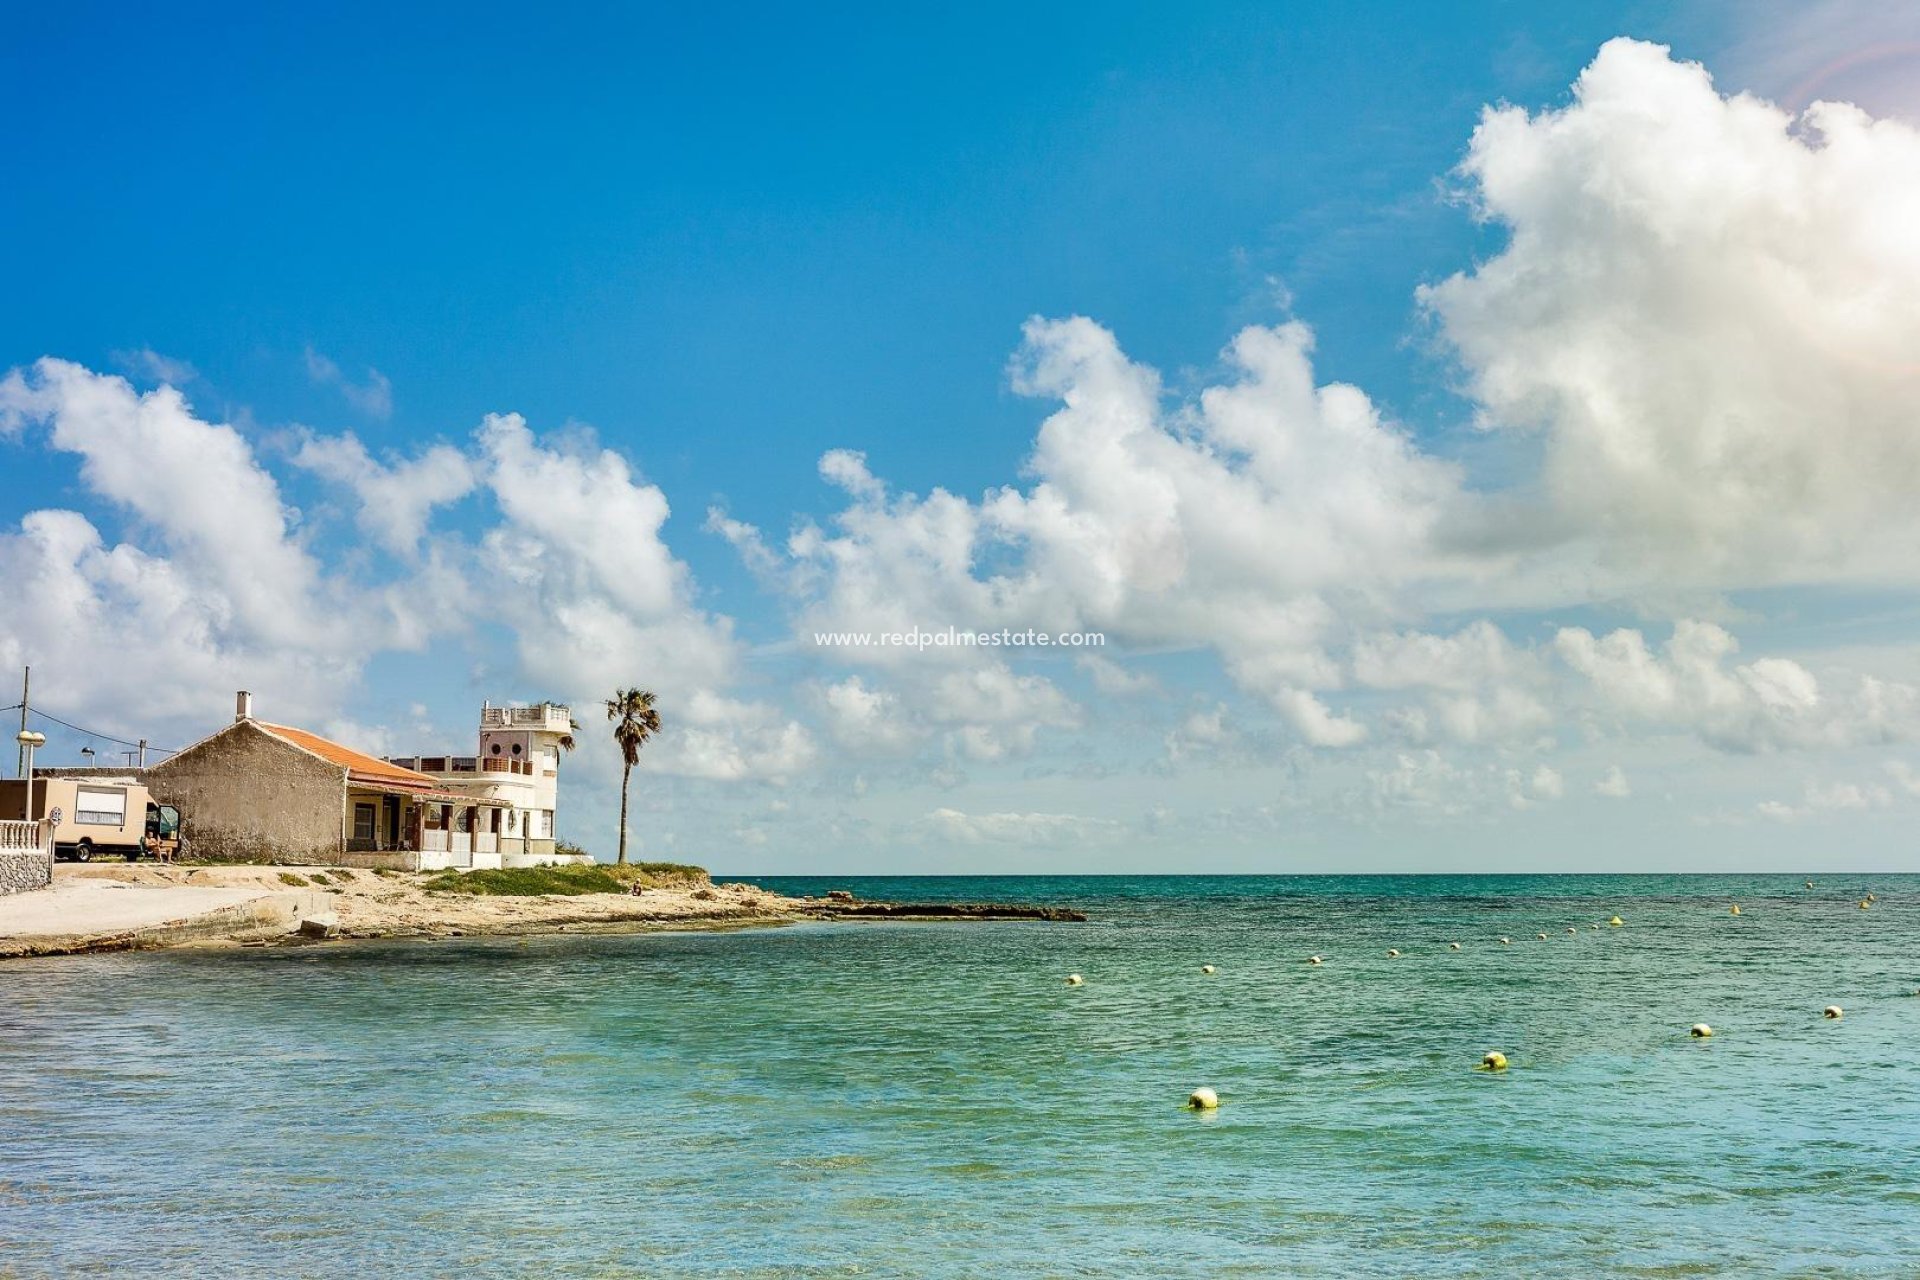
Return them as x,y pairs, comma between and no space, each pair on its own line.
516,771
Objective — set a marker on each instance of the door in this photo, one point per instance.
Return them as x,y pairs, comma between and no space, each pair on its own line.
393,821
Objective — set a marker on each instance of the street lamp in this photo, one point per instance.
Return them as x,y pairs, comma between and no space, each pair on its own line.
28,740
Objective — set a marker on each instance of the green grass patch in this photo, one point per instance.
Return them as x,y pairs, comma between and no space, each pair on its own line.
527,882
657,873
288,877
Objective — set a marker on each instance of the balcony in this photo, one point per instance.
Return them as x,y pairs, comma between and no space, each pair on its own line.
500,764
547,716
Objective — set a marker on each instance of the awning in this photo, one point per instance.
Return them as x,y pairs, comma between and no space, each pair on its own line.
427,797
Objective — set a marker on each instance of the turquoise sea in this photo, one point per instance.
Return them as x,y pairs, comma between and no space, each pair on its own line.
933,1100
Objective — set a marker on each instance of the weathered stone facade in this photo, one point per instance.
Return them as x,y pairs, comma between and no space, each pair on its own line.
247,796
20,872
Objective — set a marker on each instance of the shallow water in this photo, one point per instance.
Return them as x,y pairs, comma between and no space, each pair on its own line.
900,1099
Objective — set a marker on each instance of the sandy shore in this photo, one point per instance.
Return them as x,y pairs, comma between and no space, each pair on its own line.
109,907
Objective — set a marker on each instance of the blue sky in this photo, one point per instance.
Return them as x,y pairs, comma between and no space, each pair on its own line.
722,245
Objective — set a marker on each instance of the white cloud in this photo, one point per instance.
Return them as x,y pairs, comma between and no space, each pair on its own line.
726,740
373,397
1769,703
212,590
1113,679
1421,781
149,456
1613,784
1236,519
1827,798
1032,829
1200,735
863,718
155,367
220,595
1708,309
396,498
1480,687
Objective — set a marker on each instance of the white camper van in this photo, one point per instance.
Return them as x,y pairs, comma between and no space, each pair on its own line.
97,815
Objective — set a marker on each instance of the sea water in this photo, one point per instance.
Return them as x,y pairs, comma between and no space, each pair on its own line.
934,1100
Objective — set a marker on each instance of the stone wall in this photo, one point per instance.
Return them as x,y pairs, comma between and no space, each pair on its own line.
247,796
20,872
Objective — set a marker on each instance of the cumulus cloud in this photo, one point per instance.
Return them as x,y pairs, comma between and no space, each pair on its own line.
1250,518
395,498
1701,322
208,586
1707,306
212,589
1478,686
1691,683
863,718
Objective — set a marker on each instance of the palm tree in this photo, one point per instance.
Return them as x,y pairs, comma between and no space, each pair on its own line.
634,721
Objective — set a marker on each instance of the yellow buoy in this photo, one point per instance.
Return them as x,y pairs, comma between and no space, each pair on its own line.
1206,968
1505,941
1453,946
1734,910
1833,1012
1700,1031
1393,953
1541,936
1494,1061
1615,923
1572,930
1203,1099
1809,884
1871,898
1864,904
1313,960
1074,980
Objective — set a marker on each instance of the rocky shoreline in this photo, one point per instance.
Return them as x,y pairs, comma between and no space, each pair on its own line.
107,907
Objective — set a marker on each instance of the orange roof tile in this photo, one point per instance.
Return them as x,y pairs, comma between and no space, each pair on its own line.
357,764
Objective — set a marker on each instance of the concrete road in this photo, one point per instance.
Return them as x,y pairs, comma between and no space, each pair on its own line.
89,907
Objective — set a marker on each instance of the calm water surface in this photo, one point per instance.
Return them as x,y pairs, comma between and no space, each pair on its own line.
897,1099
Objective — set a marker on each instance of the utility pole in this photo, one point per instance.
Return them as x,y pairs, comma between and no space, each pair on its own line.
26,687
143,753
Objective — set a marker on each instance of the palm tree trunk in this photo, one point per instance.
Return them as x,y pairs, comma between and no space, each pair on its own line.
626,772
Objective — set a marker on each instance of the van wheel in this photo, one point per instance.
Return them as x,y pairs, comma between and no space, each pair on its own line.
83,852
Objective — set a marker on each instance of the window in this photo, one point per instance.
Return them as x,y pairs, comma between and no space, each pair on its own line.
363,822
543,824
100,806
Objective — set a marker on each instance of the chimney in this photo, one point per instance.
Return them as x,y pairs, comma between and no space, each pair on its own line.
242,706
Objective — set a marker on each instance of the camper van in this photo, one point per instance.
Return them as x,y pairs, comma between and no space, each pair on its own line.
98,815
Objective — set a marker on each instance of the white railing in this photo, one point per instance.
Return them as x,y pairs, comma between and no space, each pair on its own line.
26,837
547,716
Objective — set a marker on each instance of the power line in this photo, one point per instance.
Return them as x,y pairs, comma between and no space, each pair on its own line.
91,733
